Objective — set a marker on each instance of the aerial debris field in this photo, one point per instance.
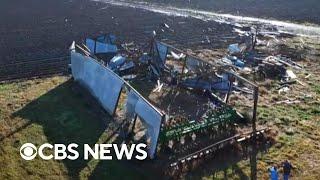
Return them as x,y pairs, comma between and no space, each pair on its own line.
165,77
209,99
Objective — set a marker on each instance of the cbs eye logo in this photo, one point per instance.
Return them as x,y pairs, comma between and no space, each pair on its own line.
28,151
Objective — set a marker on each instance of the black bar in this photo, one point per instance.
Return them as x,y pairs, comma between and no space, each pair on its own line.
157,144
229,90
255,106
115,109
134,122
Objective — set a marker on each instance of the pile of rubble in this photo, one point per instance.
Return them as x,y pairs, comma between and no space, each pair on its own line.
174,73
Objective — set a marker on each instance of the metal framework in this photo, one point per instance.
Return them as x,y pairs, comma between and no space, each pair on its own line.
228,115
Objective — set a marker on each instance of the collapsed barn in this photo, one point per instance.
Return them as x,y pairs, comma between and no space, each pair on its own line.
175,102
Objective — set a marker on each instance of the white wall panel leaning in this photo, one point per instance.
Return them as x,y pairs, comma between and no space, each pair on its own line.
106,87
100,81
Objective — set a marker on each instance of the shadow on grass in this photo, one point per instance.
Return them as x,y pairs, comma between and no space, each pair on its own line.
123,169
67,115
225,164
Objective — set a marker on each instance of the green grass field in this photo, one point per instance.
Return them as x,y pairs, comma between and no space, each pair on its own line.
49,111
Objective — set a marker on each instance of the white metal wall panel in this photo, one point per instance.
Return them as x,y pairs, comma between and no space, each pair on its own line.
153,120
102,82
106,86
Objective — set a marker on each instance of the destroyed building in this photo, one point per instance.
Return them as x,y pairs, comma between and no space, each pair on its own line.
175,102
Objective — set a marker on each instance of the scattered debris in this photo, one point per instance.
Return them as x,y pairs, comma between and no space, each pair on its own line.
167,74
288,101
309,75
283,89
176,56
159,87
234,49
290,75
116,62
102,44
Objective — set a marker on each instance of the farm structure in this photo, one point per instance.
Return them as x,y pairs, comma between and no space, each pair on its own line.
175,102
